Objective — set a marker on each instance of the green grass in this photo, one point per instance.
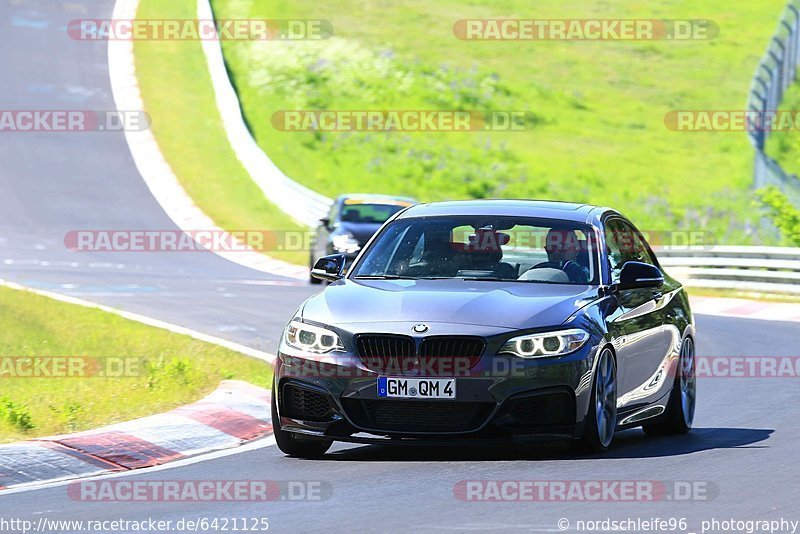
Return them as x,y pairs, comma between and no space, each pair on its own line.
168,370
178,95
598,132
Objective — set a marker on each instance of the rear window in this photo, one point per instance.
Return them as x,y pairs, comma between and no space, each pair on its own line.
369,213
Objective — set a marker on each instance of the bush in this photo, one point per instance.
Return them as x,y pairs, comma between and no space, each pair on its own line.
17,415
783,214
69,414
170,372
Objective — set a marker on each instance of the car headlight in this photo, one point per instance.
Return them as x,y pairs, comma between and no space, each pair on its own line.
346,243
311,338
545,344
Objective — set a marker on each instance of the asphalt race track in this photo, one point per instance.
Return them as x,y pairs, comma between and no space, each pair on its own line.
53,183
743,450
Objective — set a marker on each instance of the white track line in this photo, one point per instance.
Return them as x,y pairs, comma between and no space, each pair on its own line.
248,351
155,170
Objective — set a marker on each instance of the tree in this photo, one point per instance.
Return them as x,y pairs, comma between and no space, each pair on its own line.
782,213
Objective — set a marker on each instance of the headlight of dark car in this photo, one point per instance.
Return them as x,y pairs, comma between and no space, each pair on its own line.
309,338
346,243
545,344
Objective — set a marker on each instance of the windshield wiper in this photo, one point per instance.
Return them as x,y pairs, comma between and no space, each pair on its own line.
399,277
382,277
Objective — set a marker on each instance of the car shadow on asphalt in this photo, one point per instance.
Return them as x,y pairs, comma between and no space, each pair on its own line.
627,444
635,444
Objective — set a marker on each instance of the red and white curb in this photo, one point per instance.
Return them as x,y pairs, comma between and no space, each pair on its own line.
746,309
234,414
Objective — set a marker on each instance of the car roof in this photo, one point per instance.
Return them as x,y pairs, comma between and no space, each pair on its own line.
545,209
369,197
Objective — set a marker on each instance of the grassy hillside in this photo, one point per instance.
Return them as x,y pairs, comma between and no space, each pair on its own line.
162,370
177,93
598,134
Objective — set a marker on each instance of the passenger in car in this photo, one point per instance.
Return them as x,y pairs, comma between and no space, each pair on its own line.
564,250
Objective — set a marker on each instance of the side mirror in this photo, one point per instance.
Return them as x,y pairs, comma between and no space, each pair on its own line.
329,268
326,222
638,275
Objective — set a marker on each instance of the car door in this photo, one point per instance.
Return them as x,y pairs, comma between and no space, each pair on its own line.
642,343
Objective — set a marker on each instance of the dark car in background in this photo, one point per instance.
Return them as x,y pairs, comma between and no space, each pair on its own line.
488,320
352,220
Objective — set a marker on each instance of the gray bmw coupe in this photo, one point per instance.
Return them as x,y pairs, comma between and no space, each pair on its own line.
487,321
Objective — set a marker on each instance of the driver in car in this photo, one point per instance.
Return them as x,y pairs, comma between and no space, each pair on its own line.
563,248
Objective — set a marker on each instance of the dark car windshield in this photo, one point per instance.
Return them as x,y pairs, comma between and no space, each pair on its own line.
361,212
483,248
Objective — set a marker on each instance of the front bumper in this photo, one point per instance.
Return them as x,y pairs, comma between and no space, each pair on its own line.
502,398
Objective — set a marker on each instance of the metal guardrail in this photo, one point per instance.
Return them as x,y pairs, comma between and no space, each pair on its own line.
773,270
774,74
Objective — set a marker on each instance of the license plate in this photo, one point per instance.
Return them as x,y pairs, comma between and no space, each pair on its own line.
417,388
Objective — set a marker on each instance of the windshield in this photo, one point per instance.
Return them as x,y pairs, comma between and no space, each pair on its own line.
358,212
483,248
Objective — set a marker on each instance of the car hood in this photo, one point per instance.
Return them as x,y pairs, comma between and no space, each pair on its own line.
512,305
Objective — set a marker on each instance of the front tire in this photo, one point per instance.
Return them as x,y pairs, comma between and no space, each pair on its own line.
601,419
679,416
292,445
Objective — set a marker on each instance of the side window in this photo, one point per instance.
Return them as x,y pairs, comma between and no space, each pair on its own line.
639,250
613,249
623,245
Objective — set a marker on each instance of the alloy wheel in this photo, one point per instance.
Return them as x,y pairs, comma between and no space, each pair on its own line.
606,398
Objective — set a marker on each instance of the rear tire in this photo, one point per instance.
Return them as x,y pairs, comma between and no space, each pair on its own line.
291,444
679,416
601,418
